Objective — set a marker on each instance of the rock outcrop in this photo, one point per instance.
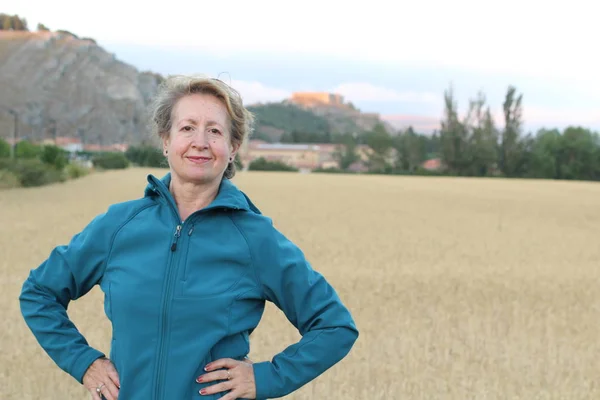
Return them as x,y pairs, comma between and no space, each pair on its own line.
60,85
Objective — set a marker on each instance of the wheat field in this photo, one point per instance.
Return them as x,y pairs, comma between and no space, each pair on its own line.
461,288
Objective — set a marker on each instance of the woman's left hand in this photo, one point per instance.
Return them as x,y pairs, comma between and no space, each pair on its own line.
238,376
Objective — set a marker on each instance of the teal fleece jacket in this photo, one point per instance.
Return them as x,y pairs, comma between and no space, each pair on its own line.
180,294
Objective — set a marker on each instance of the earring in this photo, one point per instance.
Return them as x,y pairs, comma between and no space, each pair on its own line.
166,152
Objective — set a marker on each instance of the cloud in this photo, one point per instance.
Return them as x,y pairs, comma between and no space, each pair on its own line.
255,92
562,116
420,123
363,92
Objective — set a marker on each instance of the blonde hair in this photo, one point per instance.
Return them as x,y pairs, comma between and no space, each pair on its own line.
175,87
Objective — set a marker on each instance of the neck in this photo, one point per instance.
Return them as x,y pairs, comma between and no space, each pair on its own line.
190,196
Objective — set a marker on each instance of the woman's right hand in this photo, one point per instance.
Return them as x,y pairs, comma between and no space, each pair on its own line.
102,374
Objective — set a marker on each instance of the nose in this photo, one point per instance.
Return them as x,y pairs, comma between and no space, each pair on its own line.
200,139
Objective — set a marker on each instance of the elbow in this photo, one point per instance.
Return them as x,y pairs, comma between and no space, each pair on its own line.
349,336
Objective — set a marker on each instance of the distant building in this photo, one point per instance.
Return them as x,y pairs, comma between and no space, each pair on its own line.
305,157
72,145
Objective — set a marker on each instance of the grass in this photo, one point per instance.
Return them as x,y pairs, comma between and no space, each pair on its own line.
461,288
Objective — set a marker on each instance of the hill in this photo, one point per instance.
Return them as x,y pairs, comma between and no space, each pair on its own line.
62,85
313,121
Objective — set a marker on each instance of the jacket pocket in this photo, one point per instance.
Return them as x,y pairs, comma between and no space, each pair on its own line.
113,351
108,302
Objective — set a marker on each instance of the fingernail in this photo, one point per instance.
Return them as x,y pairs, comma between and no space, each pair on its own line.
199,379
207,367
203,392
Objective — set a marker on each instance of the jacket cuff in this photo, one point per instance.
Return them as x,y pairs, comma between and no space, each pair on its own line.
83,362
263,379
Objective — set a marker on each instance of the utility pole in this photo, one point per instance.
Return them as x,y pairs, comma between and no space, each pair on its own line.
15,132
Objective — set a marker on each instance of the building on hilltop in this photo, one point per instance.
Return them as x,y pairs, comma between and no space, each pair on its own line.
309,99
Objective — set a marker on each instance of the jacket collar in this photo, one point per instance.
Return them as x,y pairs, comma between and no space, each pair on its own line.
228,197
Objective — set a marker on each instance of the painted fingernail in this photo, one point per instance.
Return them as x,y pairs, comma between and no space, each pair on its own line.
199,379
203,392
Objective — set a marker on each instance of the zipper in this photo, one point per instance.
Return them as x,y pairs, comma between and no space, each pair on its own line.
159,371
165,314
177,234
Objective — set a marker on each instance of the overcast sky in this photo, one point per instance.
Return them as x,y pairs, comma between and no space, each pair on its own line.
391,57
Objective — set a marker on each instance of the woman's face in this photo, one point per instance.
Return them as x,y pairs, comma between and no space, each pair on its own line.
199,143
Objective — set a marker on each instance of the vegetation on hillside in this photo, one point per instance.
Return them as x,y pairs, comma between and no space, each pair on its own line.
12,23
288,118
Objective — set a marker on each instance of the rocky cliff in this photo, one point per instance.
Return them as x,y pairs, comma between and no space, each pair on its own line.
60,85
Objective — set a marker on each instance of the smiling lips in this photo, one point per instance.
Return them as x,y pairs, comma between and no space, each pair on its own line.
198,159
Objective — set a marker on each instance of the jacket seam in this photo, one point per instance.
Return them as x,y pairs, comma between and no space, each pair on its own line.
114,235
258,282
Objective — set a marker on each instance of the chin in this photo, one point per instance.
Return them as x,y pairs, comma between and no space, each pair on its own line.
199,177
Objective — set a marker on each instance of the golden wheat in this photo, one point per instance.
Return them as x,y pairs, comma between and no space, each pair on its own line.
461,288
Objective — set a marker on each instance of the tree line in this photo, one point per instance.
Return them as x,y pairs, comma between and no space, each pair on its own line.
473,145
15,23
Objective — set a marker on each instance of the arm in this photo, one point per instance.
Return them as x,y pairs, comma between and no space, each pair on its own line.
312,305
68,273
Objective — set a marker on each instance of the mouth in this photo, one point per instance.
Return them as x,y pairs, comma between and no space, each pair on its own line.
199,159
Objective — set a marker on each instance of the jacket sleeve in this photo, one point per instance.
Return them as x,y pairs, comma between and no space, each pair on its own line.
312,305
68,273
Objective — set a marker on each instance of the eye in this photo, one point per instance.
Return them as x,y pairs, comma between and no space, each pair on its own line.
215,131
187,128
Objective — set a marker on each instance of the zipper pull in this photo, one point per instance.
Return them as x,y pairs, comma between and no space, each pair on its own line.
177,234
191,231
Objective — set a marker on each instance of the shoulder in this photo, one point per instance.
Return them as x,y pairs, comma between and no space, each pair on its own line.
118,215
266,242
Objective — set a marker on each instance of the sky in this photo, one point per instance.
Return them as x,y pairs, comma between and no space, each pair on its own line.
392,57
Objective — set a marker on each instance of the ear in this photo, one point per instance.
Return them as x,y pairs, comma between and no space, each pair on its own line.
165,142
234,150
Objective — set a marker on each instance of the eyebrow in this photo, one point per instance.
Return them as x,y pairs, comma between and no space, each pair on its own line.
195,122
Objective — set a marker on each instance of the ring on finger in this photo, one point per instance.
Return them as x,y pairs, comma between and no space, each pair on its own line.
228,375
99,388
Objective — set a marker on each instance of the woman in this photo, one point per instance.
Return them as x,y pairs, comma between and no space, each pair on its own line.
186,270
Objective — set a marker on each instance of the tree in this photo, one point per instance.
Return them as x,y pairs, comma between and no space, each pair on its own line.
412,150
12,22
42,28
453,137
578,154
26,149
346,153
54,156
481,137
510,148
545,155
6,22
380,141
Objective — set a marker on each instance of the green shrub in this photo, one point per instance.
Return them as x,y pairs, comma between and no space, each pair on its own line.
261,164
54,156
110,161
74,171
8,179
330,170
6,163
26,149
146,156
4,148
33,172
